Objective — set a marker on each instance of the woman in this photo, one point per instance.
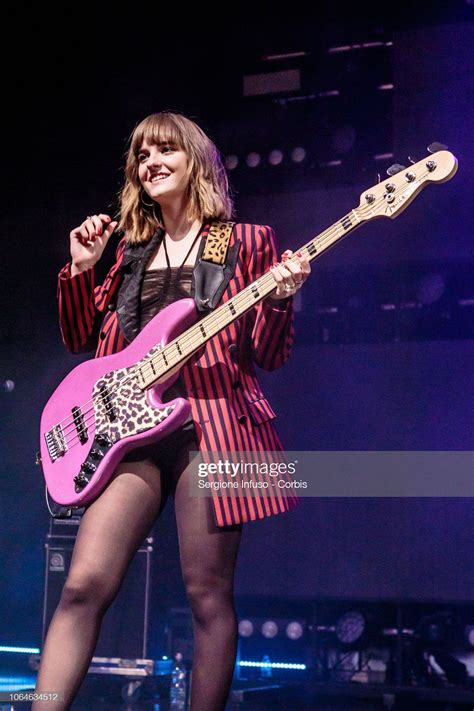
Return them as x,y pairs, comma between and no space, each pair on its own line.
175,187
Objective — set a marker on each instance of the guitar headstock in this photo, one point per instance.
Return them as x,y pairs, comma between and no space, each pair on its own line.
391,196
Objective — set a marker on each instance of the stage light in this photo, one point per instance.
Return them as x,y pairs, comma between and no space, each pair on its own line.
454,670
273,665
253,160
16,683
294,630
8,386
20,650
350,627
245,628
269,629
329,93
330,163
231,162
275,157
298,154
383,156
469,635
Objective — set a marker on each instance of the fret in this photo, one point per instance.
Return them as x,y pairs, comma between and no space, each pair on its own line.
346,223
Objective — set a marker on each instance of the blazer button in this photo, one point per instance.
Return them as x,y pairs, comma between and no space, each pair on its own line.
111,307
243,419
236,385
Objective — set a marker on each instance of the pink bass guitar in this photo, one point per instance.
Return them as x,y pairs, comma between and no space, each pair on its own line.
108,406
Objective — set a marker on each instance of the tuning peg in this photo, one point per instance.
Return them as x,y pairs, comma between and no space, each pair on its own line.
412,160
434,147
378,177
395,168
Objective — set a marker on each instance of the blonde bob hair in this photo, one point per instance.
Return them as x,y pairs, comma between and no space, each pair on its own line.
208,188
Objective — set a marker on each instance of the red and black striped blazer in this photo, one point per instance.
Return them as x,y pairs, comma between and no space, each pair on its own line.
228,407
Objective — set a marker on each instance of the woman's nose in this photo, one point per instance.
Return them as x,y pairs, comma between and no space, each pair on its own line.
154,160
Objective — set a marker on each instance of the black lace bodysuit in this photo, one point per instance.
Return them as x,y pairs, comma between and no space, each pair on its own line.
160,288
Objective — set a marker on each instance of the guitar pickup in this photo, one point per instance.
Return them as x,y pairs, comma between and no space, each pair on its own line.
79,424
107,402
56,442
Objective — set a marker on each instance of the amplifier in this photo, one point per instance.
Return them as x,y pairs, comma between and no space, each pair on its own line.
124,631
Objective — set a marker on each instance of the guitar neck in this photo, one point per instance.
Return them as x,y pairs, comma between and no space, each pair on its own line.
181,348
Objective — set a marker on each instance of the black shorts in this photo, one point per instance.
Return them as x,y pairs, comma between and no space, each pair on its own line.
170,455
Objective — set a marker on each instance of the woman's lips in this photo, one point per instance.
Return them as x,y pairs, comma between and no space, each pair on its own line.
159,178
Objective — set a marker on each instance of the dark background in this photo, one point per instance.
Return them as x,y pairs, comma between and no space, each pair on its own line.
75,83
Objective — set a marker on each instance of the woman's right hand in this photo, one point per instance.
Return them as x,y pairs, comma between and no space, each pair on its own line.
88,241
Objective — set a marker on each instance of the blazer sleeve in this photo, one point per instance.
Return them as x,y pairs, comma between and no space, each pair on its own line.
82,304
272,323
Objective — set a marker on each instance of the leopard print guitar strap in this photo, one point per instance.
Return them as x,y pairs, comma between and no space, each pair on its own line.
215,265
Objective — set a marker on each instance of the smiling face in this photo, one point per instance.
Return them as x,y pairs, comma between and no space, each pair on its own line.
171,160
163,171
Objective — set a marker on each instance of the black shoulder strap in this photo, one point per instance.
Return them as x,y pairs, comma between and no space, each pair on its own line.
135,259
214,266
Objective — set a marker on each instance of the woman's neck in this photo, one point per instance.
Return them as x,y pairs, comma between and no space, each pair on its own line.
176,224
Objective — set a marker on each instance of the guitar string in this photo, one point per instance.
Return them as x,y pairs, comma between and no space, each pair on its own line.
329,233
183,341
328,236
147,370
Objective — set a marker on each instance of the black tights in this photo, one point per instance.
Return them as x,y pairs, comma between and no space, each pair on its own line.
111,531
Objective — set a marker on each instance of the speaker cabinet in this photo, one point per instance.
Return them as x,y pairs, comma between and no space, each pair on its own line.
124,631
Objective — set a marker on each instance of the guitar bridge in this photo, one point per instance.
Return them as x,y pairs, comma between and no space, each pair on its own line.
56,442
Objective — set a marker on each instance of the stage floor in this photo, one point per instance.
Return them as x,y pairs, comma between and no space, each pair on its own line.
99,693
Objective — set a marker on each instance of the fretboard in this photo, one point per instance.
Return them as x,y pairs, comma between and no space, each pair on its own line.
176,352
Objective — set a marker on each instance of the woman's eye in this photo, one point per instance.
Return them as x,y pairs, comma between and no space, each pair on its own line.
141,157
167,148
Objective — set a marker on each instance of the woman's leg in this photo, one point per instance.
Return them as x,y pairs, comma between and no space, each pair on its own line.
208,557
111,530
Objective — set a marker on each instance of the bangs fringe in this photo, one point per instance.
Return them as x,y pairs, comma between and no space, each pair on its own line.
156,129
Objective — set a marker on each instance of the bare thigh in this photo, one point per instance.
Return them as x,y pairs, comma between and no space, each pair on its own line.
114,526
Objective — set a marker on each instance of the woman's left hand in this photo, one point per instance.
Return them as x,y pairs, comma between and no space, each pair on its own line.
289,274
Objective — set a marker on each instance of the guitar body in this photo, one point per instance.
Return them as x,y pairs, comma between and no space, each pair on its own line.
81,448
